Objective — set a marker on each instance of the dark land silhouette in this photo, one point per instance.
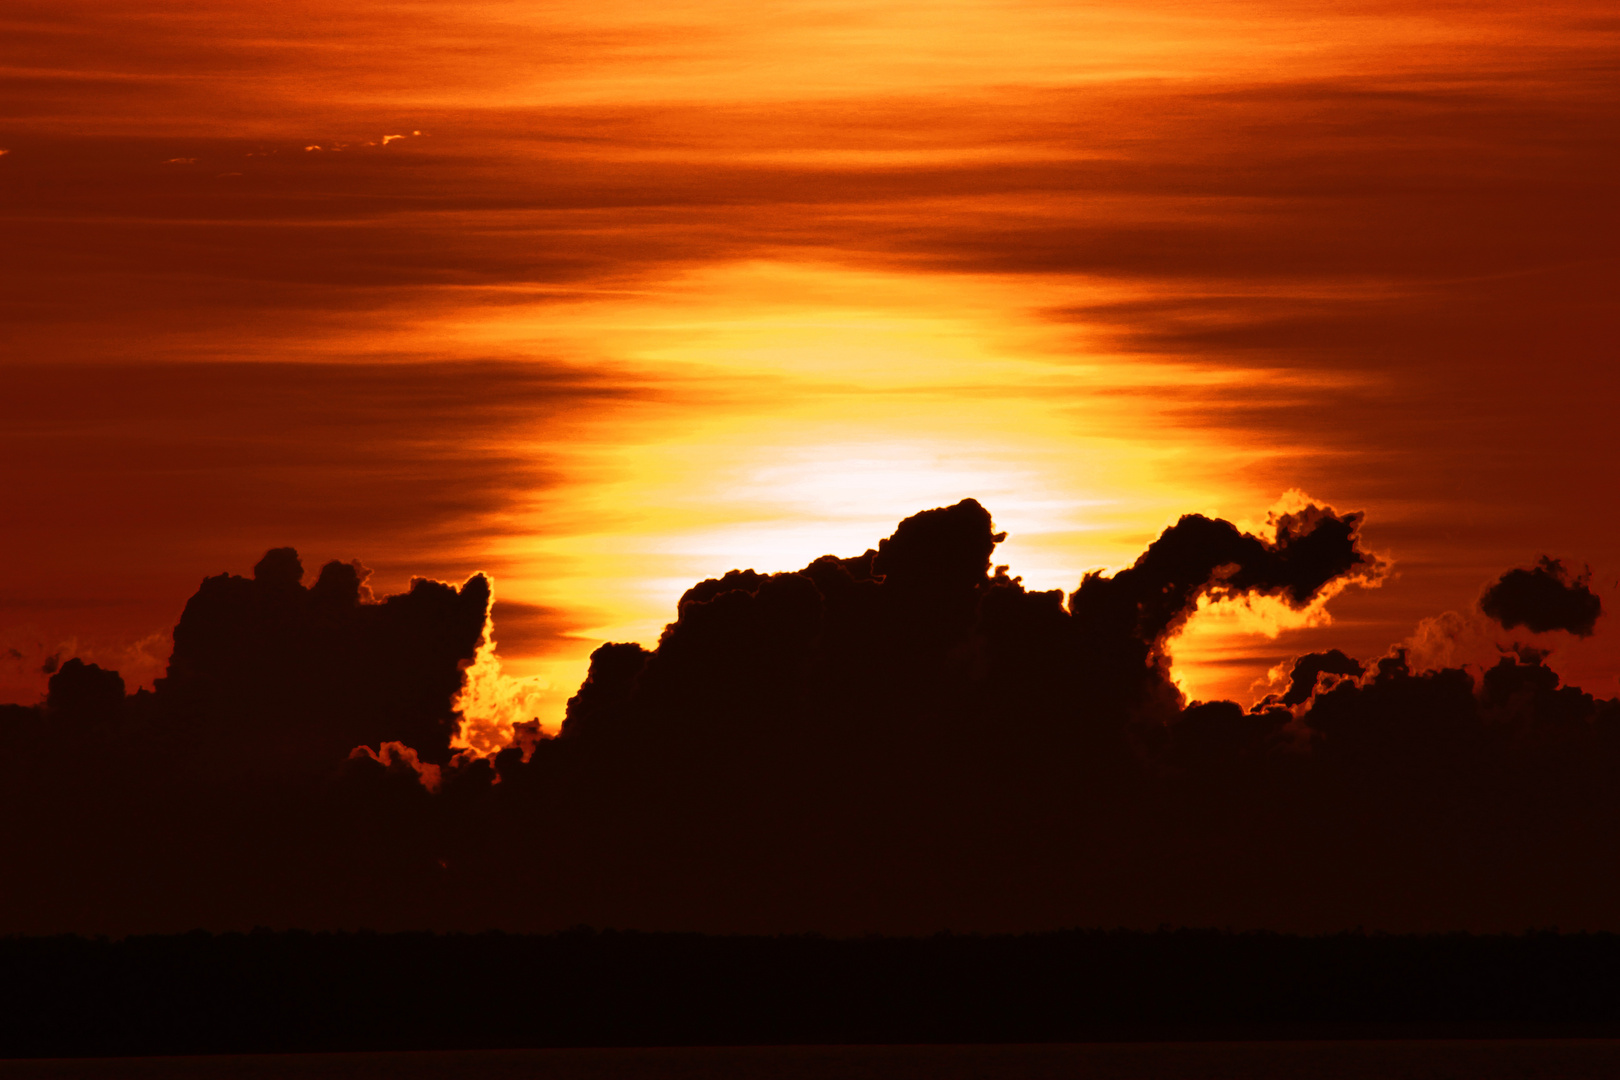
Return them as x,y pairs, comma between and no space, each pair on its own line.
903,742
266,992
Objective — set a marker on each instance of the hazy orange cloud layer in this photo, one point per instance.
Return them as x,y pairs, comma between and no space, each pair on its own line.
604,299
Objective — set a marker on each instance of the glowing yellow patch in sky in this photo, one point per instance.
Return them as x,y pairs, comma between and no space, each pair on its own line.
813,406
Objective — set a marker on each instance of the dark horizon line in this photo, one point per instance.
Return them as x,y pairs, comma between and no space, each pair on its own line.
296,991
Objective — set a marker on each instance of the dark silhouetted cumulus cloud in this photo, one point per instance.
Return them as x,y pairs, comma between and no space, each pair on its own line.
310,673
1544,597
904,740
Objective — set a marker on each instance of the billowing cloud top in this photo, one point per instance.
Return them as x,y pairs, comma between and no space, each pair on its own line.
906,739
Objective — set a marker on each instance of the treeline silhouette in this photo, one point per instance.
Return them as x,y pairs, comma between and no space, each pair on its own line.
266,992
902,741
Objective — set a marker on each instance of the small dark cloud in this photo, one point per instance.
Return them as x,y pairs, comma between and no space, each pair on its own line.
1547,596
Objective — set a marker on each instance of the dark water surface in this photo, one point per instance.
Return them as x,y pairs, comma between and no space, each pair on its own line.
1437,1059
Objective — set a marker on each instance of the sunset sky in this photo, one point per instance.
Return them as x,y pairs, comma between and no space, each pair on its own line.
607,298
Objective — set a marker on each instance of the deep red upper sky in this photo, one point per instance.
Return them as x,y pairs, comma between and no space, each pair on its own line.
604,300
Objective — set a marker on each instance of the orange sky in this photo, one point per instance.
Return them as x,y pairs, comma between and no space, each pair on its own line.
605,300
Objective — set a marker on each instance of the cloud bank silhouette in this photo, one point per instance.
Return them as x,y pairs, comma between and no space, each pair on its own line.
904,740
